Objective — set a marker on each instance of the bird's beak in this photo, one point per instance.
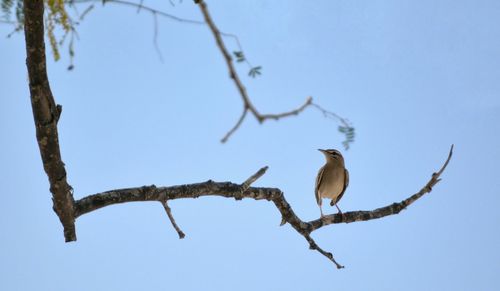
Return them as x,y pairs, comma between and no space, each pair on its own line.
323,151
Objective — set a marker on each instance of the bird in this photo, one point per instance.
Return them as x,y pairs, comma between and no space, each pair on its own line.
332,179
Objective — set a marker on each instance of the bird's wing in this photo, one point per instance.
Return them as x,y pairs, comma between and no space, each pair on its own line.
346,183
318,182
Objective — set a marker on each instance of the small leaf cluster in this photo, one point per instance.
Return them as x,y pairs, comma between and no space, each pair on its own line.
7,6
240,58
57,17
255,71
349,133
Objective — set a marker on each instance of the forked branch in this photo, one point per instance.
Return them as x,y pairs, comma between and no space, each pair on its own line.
240,191
247,103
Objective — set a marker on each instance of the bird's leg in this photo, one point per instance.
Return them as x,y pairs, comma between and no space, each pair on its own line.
320,202
340,212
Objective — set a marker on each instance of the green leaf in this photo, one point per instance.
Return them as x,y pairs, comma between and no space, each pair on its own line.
255,71
240,57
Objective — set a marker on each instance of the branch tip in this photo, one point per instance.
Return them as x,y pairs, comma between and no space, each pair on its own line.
172,220
253,178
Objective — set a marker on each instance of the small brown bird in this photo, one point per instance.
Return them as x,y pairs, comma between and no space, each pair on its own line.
332,179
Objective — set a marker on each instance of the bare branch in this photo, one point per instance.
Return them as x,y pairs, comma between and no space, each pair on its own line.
247,103
155,37
172,220
140,7
391,209
232,71
236,126
238,192
332,115
253,178
314,246
289,113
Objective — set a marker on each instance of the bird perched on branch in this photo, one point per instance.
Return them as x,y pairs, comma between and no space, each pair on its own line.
332,179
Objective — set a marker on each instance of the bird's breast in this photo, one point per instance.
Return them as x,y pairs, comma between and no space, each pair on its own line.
332,182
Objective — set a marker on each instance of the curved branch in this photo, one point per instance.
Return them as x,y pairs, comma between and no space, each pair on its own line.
248,105
236,126
277,116
391,209
240,191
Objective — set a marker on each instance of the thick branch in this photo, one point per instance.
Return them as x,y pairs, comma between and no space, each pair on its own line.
238,192
46,115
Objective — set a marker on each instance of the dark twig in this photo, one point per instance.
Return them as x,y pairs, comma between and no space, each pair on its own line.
155,37
314,246
172,220
253,178
332,115
247,104
289,113
140,6
151,10
236,126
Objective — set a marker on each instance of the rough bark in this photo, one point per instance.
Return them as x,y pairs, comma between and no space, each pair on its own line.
46,115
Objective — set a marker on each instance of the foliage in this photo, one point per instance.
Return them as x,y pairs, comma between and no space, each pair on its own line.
348,131
57,19
254,71
7,7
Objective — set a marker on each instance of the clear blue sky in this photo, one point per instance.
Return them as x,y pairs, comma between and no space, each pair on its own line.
413,77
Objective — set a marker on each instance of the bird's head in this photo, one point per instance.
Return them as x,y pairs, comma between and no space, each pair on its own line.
332,155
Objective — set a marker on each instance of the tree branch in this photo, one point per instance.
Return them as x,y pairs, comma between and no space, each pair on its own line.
236,126
247,103
172,220
391,209
238,192
46,115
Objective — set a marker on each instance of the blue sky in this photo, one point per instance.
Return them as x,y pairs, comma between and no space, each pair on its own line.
413,77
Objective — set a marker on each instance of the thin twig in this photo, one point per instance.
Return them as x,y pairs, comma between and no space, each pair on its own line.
155,37
314,246
140,6
236,126
253,178
332,115
146,8
247,103
172,220
289,113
